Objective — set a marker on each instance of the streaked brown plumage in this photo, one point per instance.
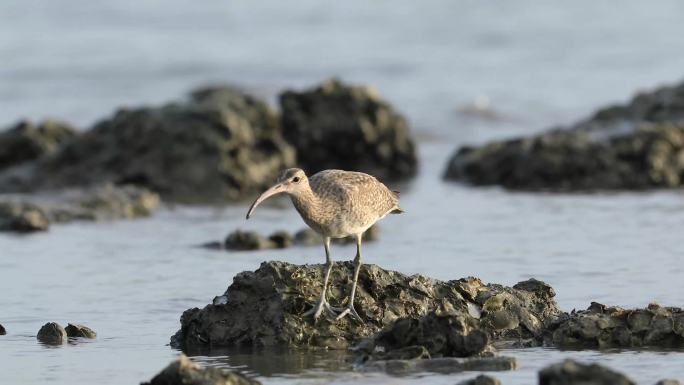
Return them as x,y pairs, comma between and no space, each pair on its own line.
335,204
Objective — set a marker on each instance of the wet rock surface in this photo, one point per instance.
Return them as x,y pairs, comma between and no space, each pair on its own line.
22,217
603,326
241,240
347,127
220,144
265,307
52,333
183,371
441,333
639,145
77,330
27,141
35,212
571,372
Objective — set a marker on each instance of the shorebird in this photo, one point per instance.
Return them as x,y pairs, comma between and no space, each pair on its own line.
335,204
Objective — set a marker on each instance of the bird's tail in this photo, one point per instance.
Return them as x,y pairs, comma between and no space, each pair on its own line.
397,210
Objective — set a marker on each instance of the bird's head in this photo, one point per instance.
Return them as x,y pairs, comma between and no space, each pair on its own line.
290,181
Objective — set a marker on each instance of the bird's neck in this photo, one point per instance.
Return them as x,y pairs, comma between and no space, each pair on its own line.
307,203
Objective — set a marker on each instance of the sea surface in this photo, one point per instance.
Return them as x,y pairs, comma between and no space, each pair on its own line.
536,64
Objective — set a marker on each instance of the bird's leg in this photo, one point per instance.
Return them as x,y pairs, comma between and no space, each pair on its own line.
323,303
357,266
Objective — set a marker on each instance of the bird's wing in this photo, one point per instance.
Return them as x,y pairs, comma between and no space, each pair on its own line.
357,190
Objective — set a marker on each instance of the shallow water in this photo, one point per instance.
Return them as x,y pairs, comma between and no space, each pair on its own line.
539,63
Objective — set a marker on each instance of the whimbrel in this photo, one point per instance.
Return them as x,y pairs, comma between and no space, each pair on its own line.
335,204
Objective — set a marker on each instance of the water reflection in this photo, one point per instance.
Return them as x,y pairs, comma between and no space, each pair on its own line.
277,362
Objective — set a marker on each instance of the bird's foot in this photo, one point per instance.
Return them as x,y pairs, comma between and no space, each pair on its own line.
349,311
318,308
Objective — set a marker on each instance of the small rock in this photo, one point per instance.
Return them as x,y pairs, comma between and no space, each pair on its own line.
482,379
76,330
281,239
22,217
246,240
2,330
571,372
183,371
52,333
668,382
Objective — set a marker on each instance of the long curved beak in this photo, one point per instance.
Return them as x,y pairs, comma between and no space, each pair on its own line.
276,189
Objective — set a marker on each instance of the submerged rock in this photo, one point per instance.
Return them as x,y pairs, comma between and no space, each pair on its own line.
35,212
182,371
281,239
482,379
265,307
444,365
52,333
602,326
2,330
571,372
76,330
22,217
347,127
26,141
221,144
635,146
668,382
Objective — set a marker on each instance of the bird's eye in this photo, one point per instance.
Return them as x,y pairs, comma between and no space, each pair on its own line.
295,179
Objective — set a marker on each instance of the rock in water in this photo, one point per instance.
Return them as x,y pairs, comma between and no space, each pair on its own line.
182,371
35,212
2,330
264,307
22,217
347,127
221,144
482,379
246,240
635,146
603,326
571,372
52,333
668,382
76,330
26,141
